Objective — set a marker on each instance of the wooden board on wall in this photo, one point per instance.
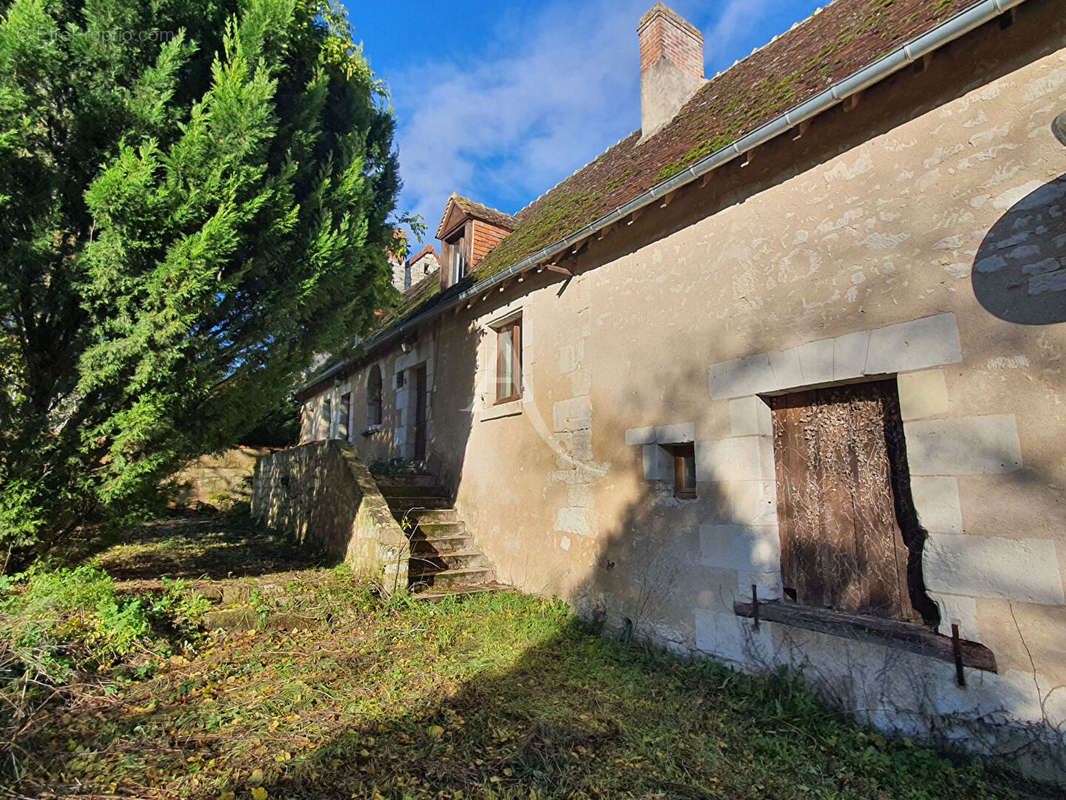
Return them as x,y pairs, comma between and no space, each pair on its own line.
841,543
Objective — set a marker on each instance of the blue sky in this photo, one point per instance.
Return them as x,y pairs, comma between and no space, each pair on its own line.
501,102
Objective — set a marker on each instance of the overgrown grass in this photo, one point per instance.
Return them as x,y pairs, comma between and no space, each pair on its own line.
200,546
495,696
66,627
57,625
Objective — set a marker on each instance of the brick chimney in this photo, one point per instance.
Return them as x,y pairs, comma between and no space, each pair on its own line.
671,66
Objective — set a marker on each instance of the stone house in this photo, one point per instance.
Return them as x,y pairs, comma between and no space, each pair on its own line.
780,377
421,265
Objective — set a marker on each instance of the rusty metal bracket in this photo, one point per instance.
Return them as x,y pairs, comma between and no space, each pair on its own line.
956,649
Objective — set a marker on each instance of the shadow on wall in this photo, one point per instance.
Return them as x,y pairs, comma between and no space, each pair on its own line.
543,723
217,480
1019,274
455,397
439,422
665,574
645,580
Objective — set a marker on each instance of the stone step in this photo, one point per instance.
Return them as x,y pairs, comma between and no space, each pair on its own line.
434,594
440,579
389,491
440,544
420,501
443,560
434,516
426,563
416,479
427,530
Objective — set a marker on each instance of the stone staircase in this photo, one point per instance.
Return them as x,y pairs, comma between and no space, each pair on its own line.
444,560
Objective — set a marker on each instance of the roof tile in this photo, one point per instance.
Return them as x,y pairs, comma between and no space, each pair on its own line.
824,49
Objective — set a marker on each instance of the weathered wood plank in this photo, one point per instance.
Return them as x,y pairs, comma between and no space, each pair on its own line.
841,543
878,630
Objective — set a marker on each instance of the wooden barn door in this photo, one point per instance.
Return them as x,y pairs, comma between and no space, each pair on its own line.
841,543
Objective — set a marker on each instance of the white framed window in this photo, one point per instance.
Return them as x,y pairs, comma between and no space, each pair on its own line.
373,396
325,423
457,256
509,360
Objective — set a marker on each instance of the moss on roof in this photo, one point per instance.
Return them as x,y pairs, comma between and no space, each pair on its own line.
481,211
412,300
826,48
469,208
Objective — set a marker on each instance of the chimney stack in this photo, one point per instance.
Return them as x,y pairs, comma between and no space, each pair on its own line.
671,66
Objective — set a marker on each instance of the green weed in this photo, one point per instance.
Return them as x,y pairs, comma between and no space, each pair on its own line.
54,623
491,696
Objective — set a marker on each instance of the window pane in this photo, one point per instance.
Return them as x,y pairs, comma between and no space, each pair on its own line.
457,259
690,472
505,375
342,417
373,400
516,340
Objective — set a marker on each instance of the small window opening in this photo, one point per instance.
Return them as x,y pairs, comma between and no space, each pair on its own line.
684,457
399,379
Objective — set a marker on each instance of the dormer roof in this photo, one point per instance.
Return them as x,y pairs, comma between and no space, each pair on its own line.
459,209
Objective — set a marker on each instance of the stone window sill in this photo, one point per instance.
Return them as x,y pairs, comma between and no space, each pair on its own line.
508,409
877,630
372,429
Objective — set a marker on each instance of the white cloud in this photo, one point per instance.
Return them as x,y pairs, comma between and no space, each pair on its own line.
559,86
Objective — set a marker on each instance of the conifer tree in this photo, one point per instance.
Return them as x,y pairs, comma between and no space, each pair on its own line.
194,199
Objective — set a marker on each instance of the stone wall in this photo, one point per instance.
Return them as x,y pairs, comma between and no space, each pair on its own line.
323,494
218,480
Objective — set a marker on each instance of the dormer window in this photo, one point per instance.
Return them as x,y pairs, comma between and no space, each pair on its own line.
457,256
468,231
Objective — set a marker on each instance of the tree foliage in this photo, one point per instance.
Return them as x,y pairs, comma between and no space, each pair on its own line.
193,200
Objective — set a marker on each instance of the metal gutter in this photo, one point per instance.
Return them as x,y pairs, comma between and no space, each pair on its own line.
947,31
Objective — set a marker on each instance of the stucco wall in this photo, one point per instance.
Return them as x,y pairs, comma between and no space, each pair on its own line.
919,235
323,494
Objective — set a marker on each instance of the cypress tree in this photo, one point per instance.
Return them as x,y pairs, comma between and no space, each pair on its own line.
194,199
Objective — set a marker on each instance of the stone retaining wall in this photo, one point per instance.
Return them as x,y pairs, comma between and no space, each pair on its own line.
219,479
324,495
